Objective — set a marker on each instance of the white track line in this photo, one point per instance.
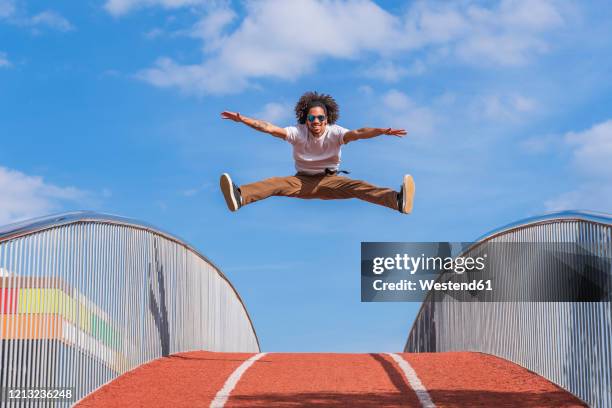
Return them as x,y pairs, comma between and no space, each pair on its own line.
230,384
414,381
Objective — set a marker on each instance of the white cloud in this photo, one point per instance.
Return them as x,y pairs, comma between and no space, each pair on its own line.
591,153
541,144
154,33
593,150
396,100
4,61
530,15
589,196
211,26
275,112
400,111
365,90
446,99
122,7
386,71
270,41
7,8
48,18
510,107
23,196
417,68
427,23
510,34
499,49
51,19
199,79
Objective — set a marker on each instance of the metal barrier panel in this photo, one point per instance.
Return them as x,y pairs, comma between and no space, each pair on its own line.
569,343
86,297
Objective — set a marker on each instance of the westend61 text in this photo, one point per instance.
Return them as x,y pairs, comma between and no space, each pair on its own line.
430,284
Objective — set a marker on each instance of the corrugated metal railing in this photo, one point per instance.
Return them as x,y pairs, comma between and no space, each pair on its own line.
85,297
570,343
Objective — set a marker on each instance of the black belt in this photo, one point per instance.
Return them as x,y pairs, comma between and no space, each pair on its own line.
327,172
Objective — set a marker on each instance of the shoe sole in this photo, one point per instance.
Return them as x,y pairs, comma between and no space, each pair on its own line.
408,198
227,187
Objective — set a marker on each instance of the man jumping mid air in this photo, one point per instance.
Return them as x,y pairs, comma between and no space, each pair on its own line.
316,141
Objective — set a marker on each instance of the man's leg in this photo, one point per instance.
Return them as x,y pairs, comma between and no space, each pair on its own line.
275,186
291,186
338,187
321,187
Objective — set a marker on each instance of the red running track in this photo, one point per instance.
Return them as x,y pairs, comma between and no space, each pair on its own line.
330,380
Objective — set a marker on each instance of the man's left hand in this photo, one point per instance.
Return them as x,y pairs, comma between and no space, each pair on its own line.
395,132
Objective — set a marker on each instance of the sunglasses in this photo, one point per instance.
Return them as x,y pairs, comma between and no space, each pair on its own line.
311,118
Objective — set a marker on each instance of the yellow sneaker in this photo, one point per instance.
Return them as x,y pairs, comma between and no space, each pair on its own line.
406,195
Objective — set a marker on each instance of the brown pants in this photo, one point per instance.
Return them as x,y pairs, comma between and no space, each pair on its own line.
325,187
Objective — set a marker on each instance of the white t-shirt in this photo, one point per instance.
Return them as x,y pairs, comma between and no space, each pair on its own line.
315,154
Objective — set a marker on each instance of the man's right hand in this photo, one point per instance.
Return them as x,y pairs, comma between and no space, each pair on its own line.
256,124
235,116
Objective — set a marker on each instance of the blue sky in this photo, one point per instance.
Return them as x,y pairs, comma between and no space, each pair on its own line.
114,106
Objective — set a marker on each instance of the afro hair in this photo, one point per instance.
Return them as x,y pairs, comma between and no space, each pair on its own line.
312,99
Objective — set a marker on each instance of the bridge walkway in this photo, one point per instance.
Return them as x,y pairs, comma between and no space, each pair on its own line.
454,379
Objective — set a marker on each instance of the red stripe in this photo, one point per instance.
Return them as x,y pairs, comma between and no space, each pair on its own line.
9,301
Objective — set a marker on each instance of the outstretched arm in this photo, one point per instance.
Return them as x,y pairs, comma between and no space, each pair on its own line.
256,124
368,133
